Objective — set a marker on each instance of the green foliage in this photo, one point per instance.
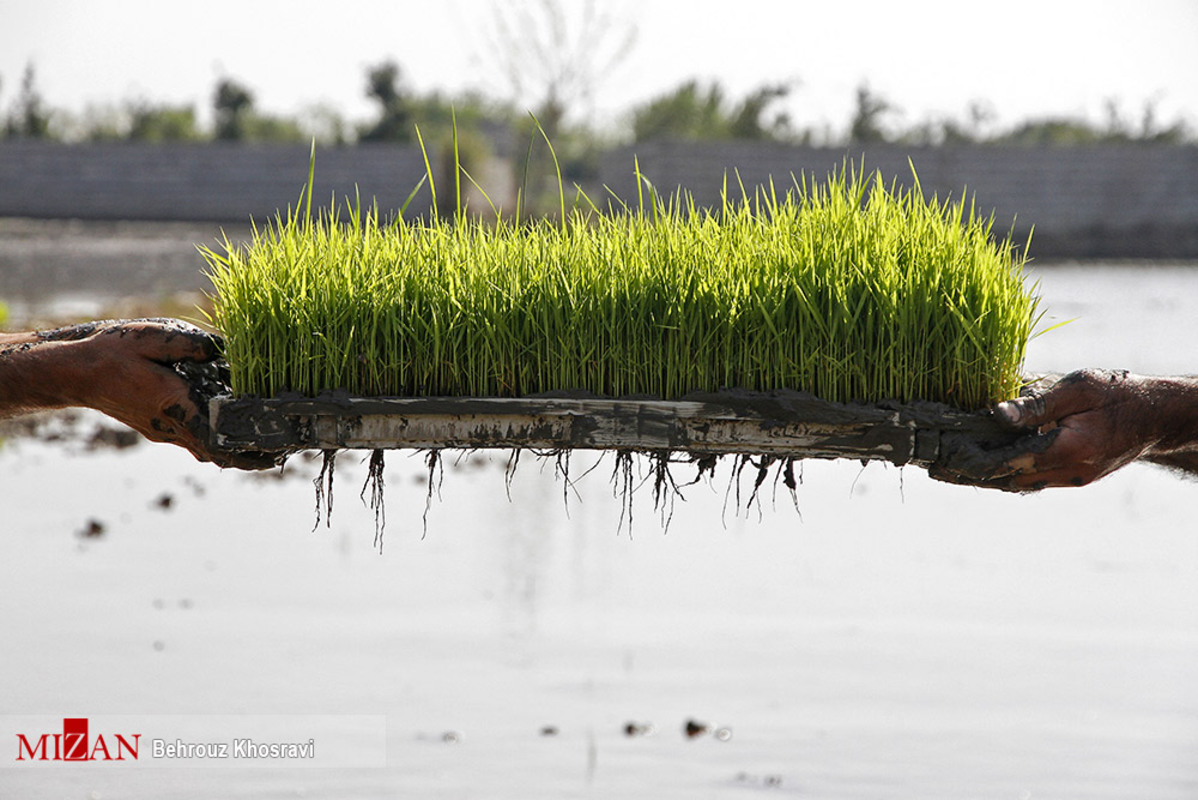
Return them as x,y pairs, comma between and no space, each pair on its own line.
697,113
29,118
233,104
165,123
868,111
849,289
269,128
137,120
238,121
457,128
1071,131
395,114
564,67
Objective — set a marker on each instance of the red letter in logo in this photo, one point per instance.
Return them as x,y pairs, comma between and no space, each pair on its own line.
35,753
74,739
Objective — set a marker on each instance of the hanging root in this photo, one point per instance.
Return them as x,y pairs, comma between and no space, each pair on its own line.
763,471
787,470
436,473
733,480
509,472
625,482
705,467
561,469
324,493
374,481
623,487
665,489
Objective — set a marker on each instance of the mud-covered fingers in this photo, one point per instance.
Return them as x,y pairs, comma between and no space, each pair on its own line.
1076,458
1075,393
162,341
1003,481
966,460
1021,412
249,460
1064,476
177,421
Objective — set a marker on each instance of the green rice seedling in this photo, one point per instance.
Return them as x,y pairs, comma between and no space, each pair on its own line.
849,288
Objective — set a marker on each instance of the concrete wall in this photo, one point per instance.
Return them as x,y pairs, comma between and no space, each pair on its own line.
217,182
1129,201
1108,201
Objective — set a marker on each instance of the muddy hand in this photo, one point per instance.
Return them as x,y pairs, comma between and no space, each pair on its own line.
1083,427
147,374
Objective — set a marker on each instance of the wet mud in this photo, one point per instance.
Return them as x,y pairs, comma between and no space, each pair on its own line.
81,431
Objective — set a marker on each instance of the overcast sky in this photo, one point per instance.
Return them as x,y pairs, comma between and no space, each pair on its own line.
1027,58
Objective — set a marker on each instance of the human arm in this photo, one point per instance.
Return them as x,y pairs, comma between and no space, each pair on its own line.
132,370
1085,426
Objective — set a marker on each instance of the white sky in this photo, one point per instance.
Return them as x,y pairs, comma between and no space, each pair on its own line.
1026,57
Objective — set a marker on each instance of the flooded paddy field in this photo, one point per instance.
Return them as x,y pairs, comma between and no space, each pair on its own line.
891,638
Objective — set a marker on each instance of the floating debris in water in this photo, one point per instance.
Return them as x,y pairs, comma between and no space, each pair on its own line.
694,729
639,729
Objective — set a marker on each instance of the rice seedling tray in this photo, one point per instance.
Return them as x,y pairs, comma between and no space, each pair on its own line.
777,423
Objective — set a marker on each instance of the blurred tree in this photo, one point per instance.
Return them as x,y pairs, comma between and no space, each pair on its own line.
973,129
237,121
1069,131
688,113
1116,128
162,123
233,104
979,116
555,55
747,121
1052,131
481,127
1177,132
100,123
395,114
694,113
325,124
866,125
271,128
29,118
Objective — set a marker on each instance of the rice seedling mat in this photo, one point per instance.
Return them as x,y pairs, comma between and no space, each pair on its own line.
778,424
616,331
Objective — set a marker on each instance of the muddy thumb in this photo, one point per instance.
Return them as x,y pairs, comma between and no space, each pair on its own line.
1022,412
1073,394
